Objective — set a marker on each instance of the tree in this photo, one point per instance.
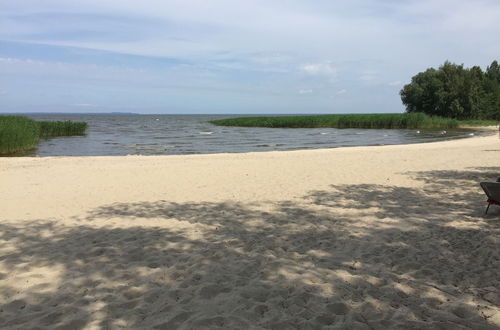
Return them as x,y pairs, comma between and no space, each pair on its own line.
421,95
490,103
456,92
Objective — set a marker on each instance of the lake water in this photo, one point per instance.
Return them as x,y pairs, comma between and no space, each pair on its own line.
192,134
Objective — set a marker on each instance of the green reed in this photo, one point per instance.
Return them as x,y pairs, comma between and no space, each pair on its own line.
61,128
407,120
479,123
18,133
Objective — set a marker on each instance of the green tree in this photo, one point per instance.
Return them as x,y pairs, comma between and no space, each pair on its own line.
490,103
456,92
421,95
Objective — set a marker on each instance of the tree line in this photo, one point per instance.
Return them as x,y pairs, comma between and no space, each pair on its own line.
455,92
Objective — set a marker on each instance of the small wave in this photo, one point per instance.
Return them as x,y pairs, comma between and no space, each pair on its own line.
206,133
269,145
148,147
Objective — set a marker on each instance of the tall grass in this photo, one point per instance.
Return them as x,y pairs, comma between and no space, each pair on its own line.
407,120
61,128
18,133
479,123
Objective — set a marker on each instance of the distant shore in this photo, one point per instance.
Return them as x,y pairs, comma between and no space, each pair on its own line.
365,121
362,237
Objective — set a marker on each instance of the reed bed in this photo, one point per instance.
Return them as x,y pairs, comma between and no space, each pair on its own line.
479,123
61,128
391,121
19,133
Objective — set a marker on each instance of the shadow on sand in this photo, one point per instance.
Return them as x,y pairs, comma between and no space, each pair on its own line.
353,256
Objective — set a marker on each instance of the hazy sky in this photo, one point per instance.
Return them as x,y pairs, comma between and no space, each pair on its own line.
161,56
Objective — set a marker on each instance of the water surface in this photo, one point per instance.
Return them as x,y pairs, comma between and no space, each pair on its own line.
192,134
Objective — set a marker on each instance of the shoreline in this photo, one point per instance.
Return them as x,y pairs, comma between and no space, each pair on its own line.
370,237
491,129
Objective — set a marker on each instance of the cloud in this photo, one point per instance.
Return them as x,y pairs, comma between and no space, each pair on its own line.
320,30
325,69
10,60
395,83
342,91
219,47
368,76
305,91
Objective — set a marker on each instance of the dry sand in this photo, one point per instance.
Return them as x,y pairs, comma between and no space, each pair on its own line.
349,238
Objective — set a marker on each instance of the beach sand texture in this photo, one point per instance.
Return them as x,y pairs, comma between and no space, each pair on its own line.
389,237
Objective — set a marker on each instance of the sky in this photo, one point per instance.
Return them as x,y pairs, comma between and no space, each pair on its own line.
221,56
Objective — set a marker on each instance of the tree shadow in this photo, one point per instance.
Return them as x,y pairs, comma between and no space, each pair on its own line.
449,193
353,256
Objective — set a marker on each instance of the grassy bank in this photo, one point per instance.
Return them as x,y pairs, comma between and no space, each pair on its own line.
407,120
478,123
18,133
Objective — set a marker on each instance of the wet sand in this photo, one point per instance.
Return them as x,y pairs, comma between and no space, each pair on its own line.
359,238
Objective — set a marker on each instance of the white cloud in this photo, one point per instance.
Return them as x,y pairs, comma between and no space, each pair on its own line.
320,69
292,44
368,76
395,83
395,31
342,91
10,60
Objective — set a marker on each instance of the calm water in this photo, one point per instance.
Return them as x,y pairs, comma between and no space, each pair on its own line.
192,134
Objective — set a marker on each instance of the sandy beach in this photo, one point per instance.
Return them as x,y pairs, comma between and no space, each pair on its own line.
386,237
